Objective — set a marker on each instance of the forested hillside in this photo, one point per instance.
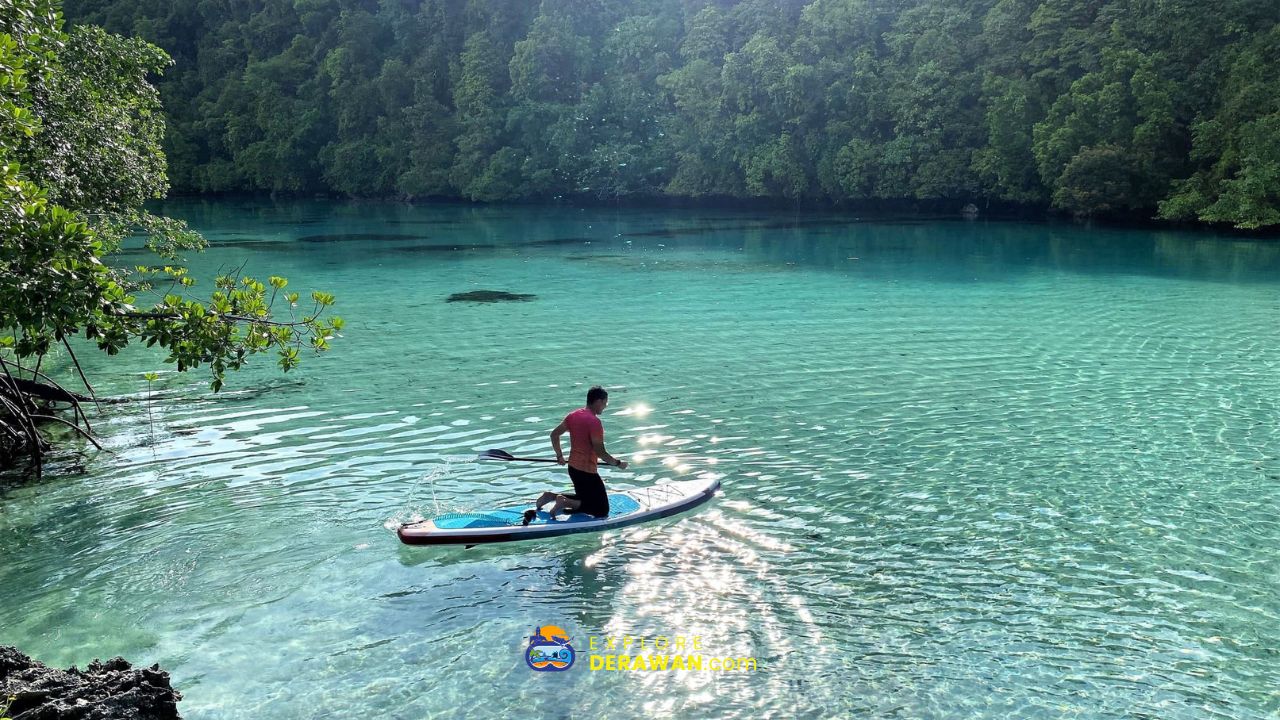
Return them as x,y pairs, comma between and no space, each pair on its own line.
1134,107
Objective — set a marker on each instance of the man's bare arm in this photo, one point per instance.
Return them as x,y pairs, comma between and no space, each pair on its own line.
555,441
598,443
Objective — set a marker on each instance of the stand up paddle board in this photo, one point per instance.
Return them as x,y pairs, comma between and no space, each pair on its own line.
626,507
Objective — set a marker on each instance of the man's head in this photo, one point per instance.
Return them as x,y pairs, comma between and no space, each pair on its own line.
597,399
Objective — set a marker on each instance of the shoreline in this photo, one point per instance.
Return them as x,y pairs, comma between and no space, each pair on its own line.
874,210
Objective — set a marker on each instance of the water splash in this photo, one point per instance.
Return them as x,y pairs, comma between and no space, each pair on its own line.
412,511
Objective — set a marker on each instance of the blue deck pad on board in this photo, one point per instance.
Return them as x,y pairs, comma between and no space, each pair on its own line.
619,505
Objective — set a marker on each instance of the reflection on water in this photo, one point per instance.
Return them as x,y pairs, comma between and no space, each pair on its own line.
941,250
972,469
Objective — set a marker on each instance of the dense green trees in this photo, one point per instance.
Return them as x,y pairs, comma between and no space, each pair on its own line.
79,155
1091,106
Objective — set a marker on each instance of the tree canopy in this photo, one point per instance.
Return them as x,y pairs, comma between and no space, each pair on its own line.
79,155
1090,106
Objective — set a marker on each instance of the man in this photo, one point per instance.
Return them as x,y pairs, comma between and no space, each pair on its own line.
586,444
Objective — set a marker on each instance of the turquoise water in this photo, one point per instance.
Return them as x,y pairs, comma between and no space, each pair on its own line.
980,470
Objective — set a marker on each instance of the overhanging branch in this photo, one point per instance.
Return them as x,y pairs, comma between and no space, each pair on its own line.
220,316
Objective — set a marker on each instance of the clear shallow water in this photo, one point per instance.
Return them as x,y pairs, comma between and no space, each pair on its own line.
1040,472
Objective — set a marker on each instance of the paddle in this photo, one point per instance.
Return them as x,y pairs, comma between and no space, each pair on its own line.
496,454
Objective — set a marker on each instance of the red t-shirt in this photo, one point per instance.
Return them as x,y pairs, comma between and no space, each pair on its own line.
583,425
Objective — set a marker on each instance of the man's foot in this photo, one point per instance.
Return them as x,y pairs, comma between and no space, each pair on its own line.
558,507
529,515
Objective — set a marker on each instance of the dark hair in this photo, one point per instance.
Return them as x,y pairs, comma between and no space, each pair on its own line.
597,393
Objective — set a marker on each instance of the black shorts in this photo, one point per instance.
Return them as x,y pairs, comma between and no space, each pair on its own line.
589,489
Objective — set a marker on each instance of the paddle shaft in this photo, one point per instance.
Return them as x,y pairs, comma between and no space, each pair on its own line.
505,456
543,460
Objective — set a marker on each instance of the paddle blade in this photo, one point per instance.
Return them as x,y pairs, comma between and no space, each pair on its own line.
496,454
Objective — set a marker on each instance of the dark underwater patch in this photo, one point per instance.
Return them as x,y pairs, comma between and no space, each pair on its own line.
273,244
490,296
356,237
673,233
561,241
778,225
442,248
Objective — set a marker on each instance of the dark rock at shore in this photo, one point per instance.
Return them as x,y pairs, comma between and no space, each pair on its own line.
111,690
489,296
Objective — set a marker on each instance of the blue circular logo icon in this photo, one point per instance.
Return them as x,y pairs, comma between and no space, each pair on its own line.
549,650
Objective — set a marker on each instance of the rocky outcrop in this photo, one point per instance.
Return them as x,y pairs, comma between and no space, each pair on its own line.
489,296
111,690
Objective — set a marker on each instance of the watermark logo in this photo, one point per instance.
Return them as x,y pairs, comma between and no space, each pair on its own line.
549,650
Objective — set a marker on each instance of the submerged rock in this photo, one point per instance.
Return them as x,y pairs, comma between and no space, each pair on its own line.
110,690
489,296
